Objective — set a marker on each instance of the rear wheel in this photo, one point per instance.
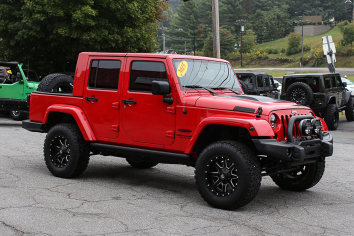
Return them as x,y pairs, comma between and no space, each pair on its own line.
303,178
228,174
56,83
349,110
18,115
66,153
331,116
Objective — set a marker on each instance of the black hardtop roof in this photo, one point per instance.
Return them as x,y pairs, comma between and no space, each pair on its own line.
310,74
8,64
253,73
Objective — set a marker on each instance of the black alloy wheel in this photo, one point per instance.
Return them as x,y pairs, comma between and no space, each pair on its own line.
221,176
60,151
66,153
299,93
228,174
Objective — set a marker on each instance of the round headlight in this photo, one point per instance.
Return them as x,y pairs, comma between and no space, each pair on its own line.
317,125
273,121
305,127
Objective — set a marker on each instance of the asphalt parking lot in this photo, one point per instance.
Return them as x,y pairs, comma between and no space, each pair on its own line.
111,198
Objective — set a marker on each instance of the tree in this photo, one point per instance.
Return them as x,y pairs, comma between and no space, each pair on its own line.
249,41
347,30
227,41
186,28
51,34
294,43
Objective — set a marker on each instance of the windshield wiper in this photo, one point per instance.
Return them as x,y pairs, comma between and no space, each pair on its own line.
223,88
197,86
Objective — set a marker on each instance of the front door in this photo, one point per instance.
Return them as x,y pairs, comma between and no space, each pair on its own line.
145,117
101,97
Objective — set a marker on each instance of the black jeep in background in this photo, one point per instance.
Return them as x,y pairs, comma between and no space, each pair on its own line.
258,83
324,93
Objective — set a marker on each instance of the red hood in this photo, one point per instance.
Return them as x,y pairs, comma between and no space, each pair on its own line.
245,103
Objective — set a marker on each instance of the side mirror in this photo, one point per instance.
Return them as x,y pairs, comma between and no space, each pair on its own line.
344,84
276,85
162,88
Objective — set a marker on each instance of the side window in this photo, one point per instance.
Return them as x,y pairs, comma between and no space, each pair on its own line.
333,81
142,73
104,74
338,81
266,82
260,81
327,82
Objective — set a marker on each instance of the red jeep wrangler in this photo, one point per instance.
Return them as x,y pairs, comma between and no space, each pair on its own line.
177,109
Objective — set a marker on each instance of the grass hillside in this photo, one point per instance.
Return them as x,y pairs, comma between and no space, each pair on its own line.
282,60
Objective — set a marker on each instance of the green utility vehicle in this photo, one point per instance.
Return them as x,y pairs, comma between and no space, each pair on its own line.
14,88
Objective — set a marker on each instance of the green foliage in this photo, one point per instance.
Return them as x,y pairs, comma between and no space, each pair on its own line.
294,44
227,41
189,27
318,58
255,55
347,30
51,34
249,41
271,50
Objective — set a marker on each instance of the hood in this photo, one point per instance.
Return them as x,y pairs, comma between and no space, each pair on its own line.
246,103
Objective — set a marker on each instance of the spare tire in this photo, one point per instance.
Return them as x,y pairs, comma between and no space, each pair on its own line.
299,93
56,83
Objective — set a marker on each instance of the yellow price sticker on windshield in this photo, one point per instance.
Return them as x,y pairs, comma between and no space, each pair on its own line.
182,69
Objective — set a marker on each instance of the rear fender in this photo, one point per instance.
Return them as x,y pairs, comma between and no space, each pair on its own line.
78,115
261,128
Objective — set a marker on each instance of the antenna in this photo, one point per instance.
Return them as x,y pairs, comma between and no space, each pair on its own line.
329,50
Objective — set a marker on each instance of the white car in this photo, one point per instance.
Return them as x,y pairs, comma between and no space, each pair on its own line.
279,85
350,85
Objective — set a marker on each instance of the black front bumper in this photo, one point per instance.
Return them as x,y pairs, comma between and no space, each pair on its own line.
298,153
296,150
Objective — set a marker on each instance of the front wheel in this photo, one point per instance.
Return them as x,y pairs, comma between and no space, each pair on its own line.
331,116
349,110
228,175
303,178
66,153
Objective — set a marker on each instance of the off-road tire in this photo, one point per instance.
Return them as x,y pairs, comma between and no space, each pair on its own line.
244,87
299,93
56,83
304,178
66,153
140,164
228,175
349,110
18,115
331,116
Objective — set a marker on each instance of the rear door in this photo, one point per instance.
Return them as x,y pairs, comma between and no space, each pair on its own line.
101,97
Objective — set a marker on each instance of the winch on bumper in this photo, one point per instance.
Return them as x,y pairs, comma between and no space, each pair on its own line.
296,150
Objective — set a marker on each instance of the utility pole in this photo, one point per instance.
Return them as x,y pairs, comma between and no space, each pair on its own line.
216,33
242,29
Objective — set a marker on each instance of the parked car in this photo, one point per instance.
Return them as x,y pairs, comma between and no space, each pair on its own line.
325,93
350,85
258,83
277,85
14,88
178,109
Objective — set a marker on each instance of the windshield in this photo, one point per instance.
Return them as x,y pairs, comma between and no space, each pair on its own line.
203,73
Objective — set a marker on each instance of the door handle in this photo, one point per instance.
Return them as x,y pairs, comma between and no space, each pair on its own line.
91,99
129,101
